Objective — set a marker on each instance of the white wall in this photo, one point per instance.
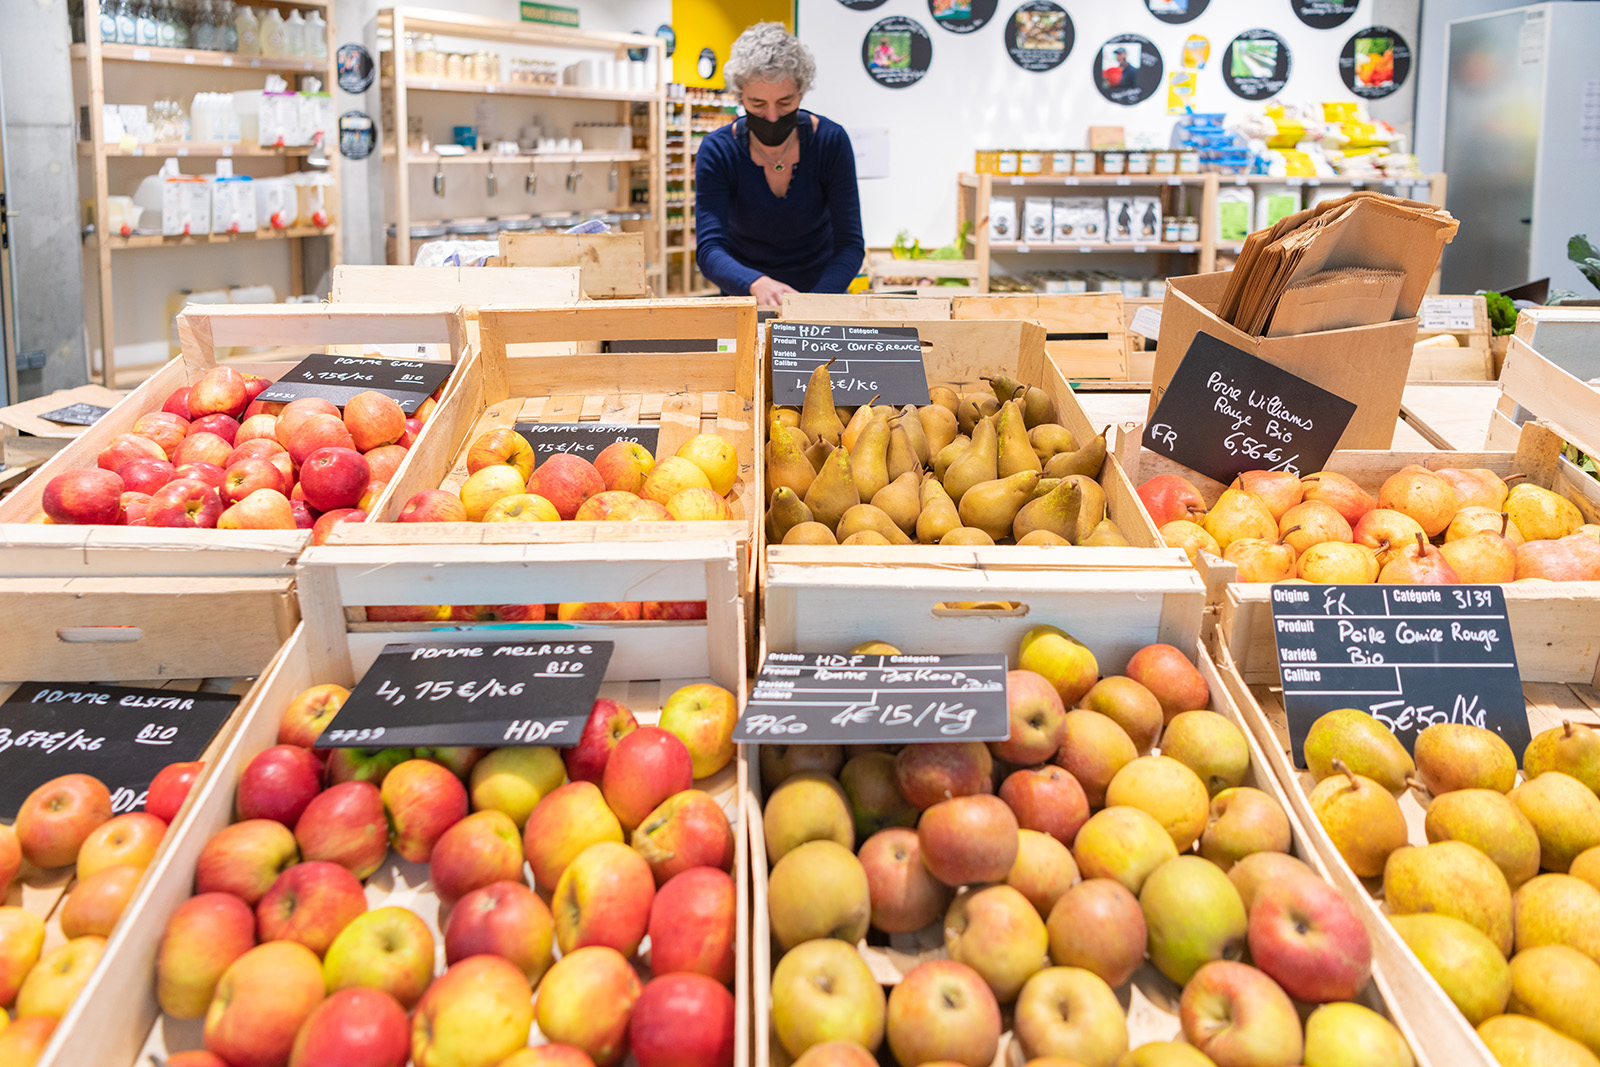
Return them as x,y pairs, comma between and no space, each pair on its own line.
974,96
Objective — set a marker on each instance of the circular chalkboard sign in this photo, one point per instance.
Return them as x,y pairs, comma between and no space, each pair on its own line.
1127,69
355,68
670,36
1177,11
356,135
896,52
861,5
961,16
1324,14
1256,64
1039,36
1375,62
706,66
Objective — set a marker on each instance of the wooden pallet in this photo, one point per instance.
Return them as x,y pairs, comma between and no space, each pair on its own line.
1113,622
116,1022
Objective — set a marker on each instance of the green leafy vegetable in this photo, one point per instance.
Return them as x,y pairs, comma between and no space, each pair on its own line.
1586,256
1502,313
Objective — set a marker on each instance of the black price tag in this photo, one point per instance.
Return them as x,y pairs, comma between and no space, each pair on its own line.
486,694
586,439
1411,655
338,378
121,736
1226,412
869,361
76,414
812,698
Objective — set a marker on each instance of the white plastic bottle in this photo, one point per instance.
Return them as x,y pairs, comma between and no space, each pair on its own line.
249,29
272,34
316,36
294,35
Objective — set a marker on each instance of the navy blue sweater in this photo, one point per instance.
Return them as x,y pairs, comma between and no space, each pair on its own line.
809,239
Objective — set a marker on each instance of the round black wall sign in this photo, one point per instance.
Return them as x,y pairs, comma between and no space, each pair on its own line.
961,16
355,68
1127,69
1324,14
861,5
1039,36
1177,12
1375,62
896,52
356,135
1256,64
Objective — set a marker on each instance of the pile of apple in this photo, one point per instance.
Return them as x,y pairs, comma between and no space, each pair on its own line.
1096,855
214,456
68,821
1517,951
1426,527
281,954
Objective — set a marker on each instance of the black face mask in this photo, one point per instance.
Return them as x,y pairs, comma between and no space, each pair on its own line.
771,132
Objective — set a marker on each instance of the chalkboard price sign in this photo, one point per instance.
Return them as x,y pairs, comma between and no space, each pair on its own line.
1226,412
812,698
868,361
585,439
76,414
338,378
119,735
486,694
1411,655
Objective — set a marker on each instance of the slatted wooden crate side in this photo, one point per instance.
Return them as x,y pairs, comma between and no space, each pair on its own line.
1531,383
611,264
1062,315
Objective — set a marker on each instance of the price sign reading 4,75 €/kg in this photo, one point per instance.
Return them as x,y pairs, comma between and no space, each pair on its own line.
486,694
584,439
338,378
1226,412
119,735
868,361
1410,655
824,698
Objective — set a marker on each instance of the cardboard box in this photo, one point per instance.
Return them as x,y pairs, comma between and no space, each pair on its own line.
1002,219
1365,364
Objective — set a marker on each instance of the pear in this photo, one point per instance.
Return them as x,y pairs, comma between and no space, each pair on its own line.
1346,497
787,465
1004,386
1564,813
1037,407
1335,563
834,492
789,416
947,455
991,506
976,464
858,422
785,512
817,454
1042,539
902,453
975,408
817,416
1473,520
1353,1035
915,433
1193,539
1278,490
1014,451
1557,909
1457,756
1362,744
1482,558
1362,818
869,459
876,648
945,397
810,533
1261,559
938,515
795,434
1421,494
966,535
1055,513
1465,963
1475,487
1045,487
1518,1041
1570,748
939,427
1386,532
1418,563
901,500
1106,534
1450,878
1541,515
1050,438
1490,823
1087,460
1239,514
1559,986
1092,506
866,537
867,517
1587,866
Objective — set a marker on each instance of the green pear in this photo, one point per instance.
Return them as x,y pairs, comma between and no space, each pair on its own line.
1014,452
975,465
938,427
1056,512
869,459
901,501
1192,915
785,513
1564,813
867,518
1490,823
1362,818
991,506
1451,878
1091,506
834,492
1558,909
786,462
1004,386
1363,744
1049,439
1353,1035
1560,987
817,415
1210,746
909,421
1453,755
1540,514
1465,963
1037,408
1571,748
1064,661
937,514
1518,1041
1086,460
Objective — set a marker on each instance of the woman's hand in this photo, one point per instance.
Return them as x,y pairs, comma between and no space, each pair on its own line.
769,291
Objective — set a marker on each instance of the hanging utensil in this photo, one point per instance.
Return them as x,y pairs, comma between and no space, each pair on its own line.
574,176
530,184
611,179
438,178
491,181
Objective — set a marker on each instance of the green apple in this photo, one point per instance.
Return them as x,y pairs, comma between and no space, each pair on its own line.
513,780
823,991
1071,1013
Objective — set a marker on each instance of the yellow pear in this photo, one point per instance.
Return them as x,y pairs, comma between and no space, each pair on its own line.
785,512
947,455
1540,514
834,492
1362,818
1474,519
912,424
945,397
1450,878
865,537
975,408
938,515
902,458
1014,451
817,416
966,535
1336,563
901,500
1261,559
1056,513
869,459
1051,438
938,426
1087,460
810,533
976,464
1239,514
1106,533
1091,506
1193,539
858,422
991,506
786,464
1043,539
1518,1041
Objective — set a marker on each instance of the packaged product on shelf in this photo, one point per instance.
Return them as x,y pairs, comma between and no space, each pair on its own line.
1189,162
1079,220
1132,288
185,202
276,203
1061,162
1139,162
1235,205
1188,228
1030,162
1171,229
233,200
1156,287
314,198
1036,219
1002,219
1164,162
1275,202
1006,162
1085,162
1122,220
1113,162
1147,218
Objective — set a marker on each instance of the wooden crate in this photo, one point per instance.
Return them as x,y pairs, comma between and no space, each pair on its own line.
1114,622
611,265
1467,360
889,274
97,592
1531,384
1446,1029
116,1022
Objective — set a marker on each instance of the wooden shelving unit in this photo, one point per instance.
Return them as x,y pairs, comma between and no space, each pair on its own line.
684,278
139,75
641,167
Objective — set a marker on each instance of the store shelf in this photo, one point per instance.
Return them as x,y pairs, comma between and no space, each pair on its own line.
1354,182
156,240
417,159
970,181
191,57
235,149
1185,247
562,92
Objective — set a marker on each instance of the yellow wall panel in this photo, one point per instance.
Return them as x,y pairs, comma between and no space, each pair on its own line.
714,24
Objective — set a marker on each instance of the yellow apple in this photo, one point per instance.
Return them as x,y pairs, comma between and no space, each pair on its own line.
698,505
672,476
702,717
59,977
714,455
481,490
521,507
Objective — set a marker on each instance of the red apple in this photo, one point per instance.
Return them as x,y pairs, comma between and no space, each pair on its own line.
256,448
264,509
98,901
688,829
1169,497
201,471
82,496
323,527
187,504
943,1010
373,420
128,839
423,800
1304,935
647,766
1097,925
316,433
333,478
134,506
219,390
202,447
247,475
504,919
245,859
433,505
1237,1014
309,713
481,849
968,839
57,817
345,824
170,788
310,903
384,461
365,764
260,1004
603,898
928,774
457,759
261,407
127,447
388,948
692,922
413,428
10,864
304,517
223,426
370,495
255,385
477,1012
1038,720
497,613
278,783
261,427
683,1020
1046,799
296,412
586,1000
354,1028
205,934
145,475
566,481
904,894
504,445
564,823
177,402
608,723
673,609
162,427
622,465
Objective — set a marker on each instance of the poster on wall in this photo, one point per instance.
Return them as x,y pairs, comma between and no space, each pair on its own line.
896,52
862,5
1324,14
1039,36
1129,69
1177,11
961,16
1196,50
1256,64
1375,62
1181,86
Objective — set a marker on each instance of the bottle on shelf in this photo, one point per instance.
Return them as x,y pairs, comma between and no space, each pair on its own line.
127,23
108,22
227,28
166,30
316,36
181,37
203,31
145,28
272,34
294,35
248,27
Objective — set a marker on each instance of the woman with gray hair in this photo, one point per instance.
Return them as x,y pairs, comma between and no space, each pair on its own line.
776,207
